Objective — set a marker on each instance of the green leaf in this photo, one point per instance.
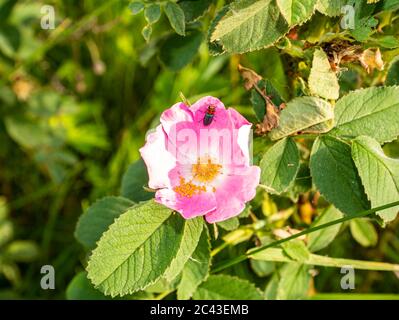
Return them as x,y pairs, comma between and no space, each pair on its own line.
191,234
296,11
177,51
224,287
335,175
294,281
390,5
162,285
272,287
136,7
216,47
296,250
193,10
196,269
229,224
331,8
262,268
258,102
242,27
364,20
323,81
279,166
301,113
6,232
363,232
322,238
133,182
152,13
379,174
176,18
92,224
392,78
146,32
22,251
372,111
136,250
80,288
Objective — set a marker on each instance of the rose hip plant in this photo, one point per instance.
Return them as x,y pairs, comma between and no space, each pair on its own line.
245,205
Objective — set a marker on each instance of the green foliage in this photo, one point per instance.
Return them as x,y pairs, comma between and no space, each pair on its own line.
323,81
133,182
191,234
296,11
296,250
196,269
76,103
177,52
98,218
294,281
302,114
229,224
152,13
393,73
364,232
224,287
330,8
176,18
320,239
81,288
331,165
149,236
279,166
379,174
241,28
371,111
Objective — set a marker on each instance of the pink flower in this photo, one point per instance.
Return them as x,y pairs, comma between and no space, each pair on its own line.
201,168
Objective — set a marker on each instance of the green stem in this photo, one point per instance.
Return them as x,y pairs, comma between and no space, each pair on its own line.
163,295
223,265
277,255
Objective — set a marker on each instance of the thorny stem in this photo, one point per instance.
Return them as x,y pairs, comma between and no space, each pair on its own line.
223,265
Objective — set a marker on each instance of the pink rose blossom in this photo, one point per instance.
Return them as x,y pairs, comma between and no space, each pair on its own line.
201,169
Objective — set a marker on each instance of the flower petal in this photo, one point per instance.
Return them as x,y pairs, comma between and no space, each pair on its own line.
221,118
197,205
244,129
157,159
179,112
234,192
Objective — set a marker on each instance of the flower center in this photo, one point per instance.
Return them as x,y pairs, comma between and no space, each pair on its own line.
205,171
188,189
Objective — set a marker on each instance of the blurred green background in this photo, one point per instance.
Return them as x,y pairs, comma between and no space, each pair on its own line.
75,104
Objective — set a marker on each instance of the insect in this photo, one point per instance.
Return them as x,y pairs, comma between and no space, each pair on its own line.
209,115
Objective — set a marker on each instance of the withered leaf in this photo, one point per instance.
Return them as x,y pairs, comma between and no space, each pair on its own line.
250,77
270,121
372,59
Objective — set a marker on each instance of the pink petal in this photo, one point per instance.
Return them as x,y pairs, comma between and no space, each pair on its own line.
234,192
157,159
237,119
221,119
179,112
197,205
244,130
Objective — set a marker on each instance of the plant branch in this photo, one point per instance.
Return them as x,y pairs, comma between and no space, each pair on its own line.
223,265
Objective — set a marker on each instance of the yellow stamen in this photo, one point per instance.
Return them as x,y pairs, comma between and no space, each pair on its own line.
188,189
205,172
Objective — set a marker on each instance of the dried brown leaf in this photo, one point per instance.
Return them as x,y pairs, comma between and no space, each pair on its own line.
371,59
251,78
